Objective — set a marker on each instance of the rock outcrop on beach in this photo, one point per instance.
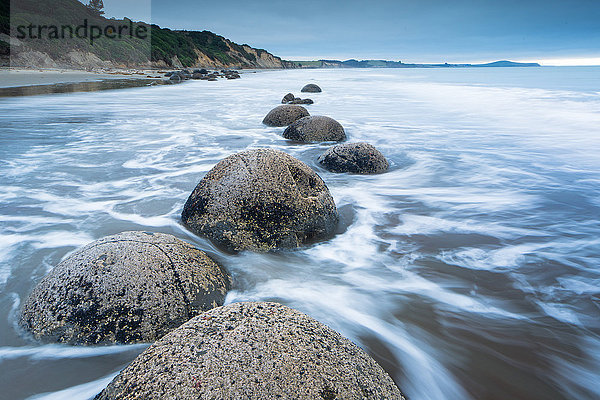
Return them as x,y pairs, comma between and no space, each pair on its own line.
315,129
311,88
126,288
358,158
261,200
253,351
285,115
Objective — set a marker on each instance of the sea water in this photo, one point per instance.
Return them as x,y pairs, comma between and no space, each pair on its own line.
470,270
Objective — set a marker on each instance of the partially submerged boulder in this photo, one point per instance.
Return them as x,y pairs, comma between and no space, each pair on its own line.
261,200
358,158
298,100
311,88
253,351
315,129
287,98
284,115
126,288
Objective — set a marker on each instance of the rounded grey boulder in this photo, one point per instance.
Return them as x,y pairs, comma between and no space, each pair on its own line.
261,200
358,158
253,351
315,129
284,115
287,98
126,288
311,88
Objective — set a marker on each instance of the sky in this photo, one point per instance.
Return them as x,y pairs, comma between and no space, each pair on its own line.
554,32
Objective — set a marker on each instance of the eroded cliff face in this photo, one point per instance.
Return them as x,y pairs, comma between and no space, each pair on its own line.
248,58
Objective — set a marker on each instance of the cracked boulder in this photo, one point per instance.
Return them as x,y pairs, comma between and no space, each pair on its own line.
317,128
285,115
126,288
358,158
261,200
253,351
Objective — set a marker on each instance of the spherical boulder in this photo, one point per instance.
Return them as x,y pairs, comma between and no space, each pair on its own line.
126,288
287,98
284,115
253,351
315,129
261,200
311,88
358,158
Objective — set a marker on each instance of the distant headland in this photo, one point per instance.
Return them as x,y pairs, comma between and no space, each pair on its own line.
399,64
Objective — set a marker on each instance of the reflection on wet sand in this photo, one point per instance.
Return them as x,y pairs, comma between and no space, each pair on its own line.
107,84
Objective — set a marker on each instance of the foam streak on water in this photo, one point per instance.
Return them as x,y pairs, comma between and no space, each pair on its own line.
469,270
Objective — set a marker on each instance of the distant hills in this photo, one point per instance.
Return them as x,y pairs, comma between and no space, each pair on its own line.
399,64
506,64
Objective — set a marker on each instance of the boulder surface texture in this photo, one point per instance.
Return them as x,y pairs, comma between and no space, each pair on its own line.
126,288
253,351
260,200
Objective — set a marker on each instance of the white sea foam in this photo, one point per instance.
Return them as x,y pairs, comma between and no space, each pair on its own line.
56,352
84,391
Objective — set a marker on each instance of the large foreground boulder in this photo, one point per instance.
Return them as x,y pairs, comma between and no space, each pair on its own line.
127,288
315,129
311,88
358,158
284,115
261,200
253,351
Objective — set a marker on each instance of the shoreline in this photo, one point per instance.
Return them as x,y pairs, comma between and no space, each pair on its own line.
23,77
17,82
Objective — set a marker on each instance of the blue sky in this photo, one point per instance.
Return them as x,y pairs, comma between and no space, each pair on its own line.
410,31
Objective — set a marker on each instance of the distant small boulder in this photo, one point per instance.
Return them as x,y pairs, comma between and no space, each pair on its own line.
285,115
315,129
301,101
311,88
287,98
357,158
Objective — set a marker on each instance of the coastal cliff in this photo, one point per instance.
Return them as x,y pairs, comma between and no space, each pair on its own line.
37,39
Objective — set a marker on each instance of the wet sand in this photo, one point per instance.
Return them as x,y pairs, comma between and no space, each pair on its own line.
22,82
